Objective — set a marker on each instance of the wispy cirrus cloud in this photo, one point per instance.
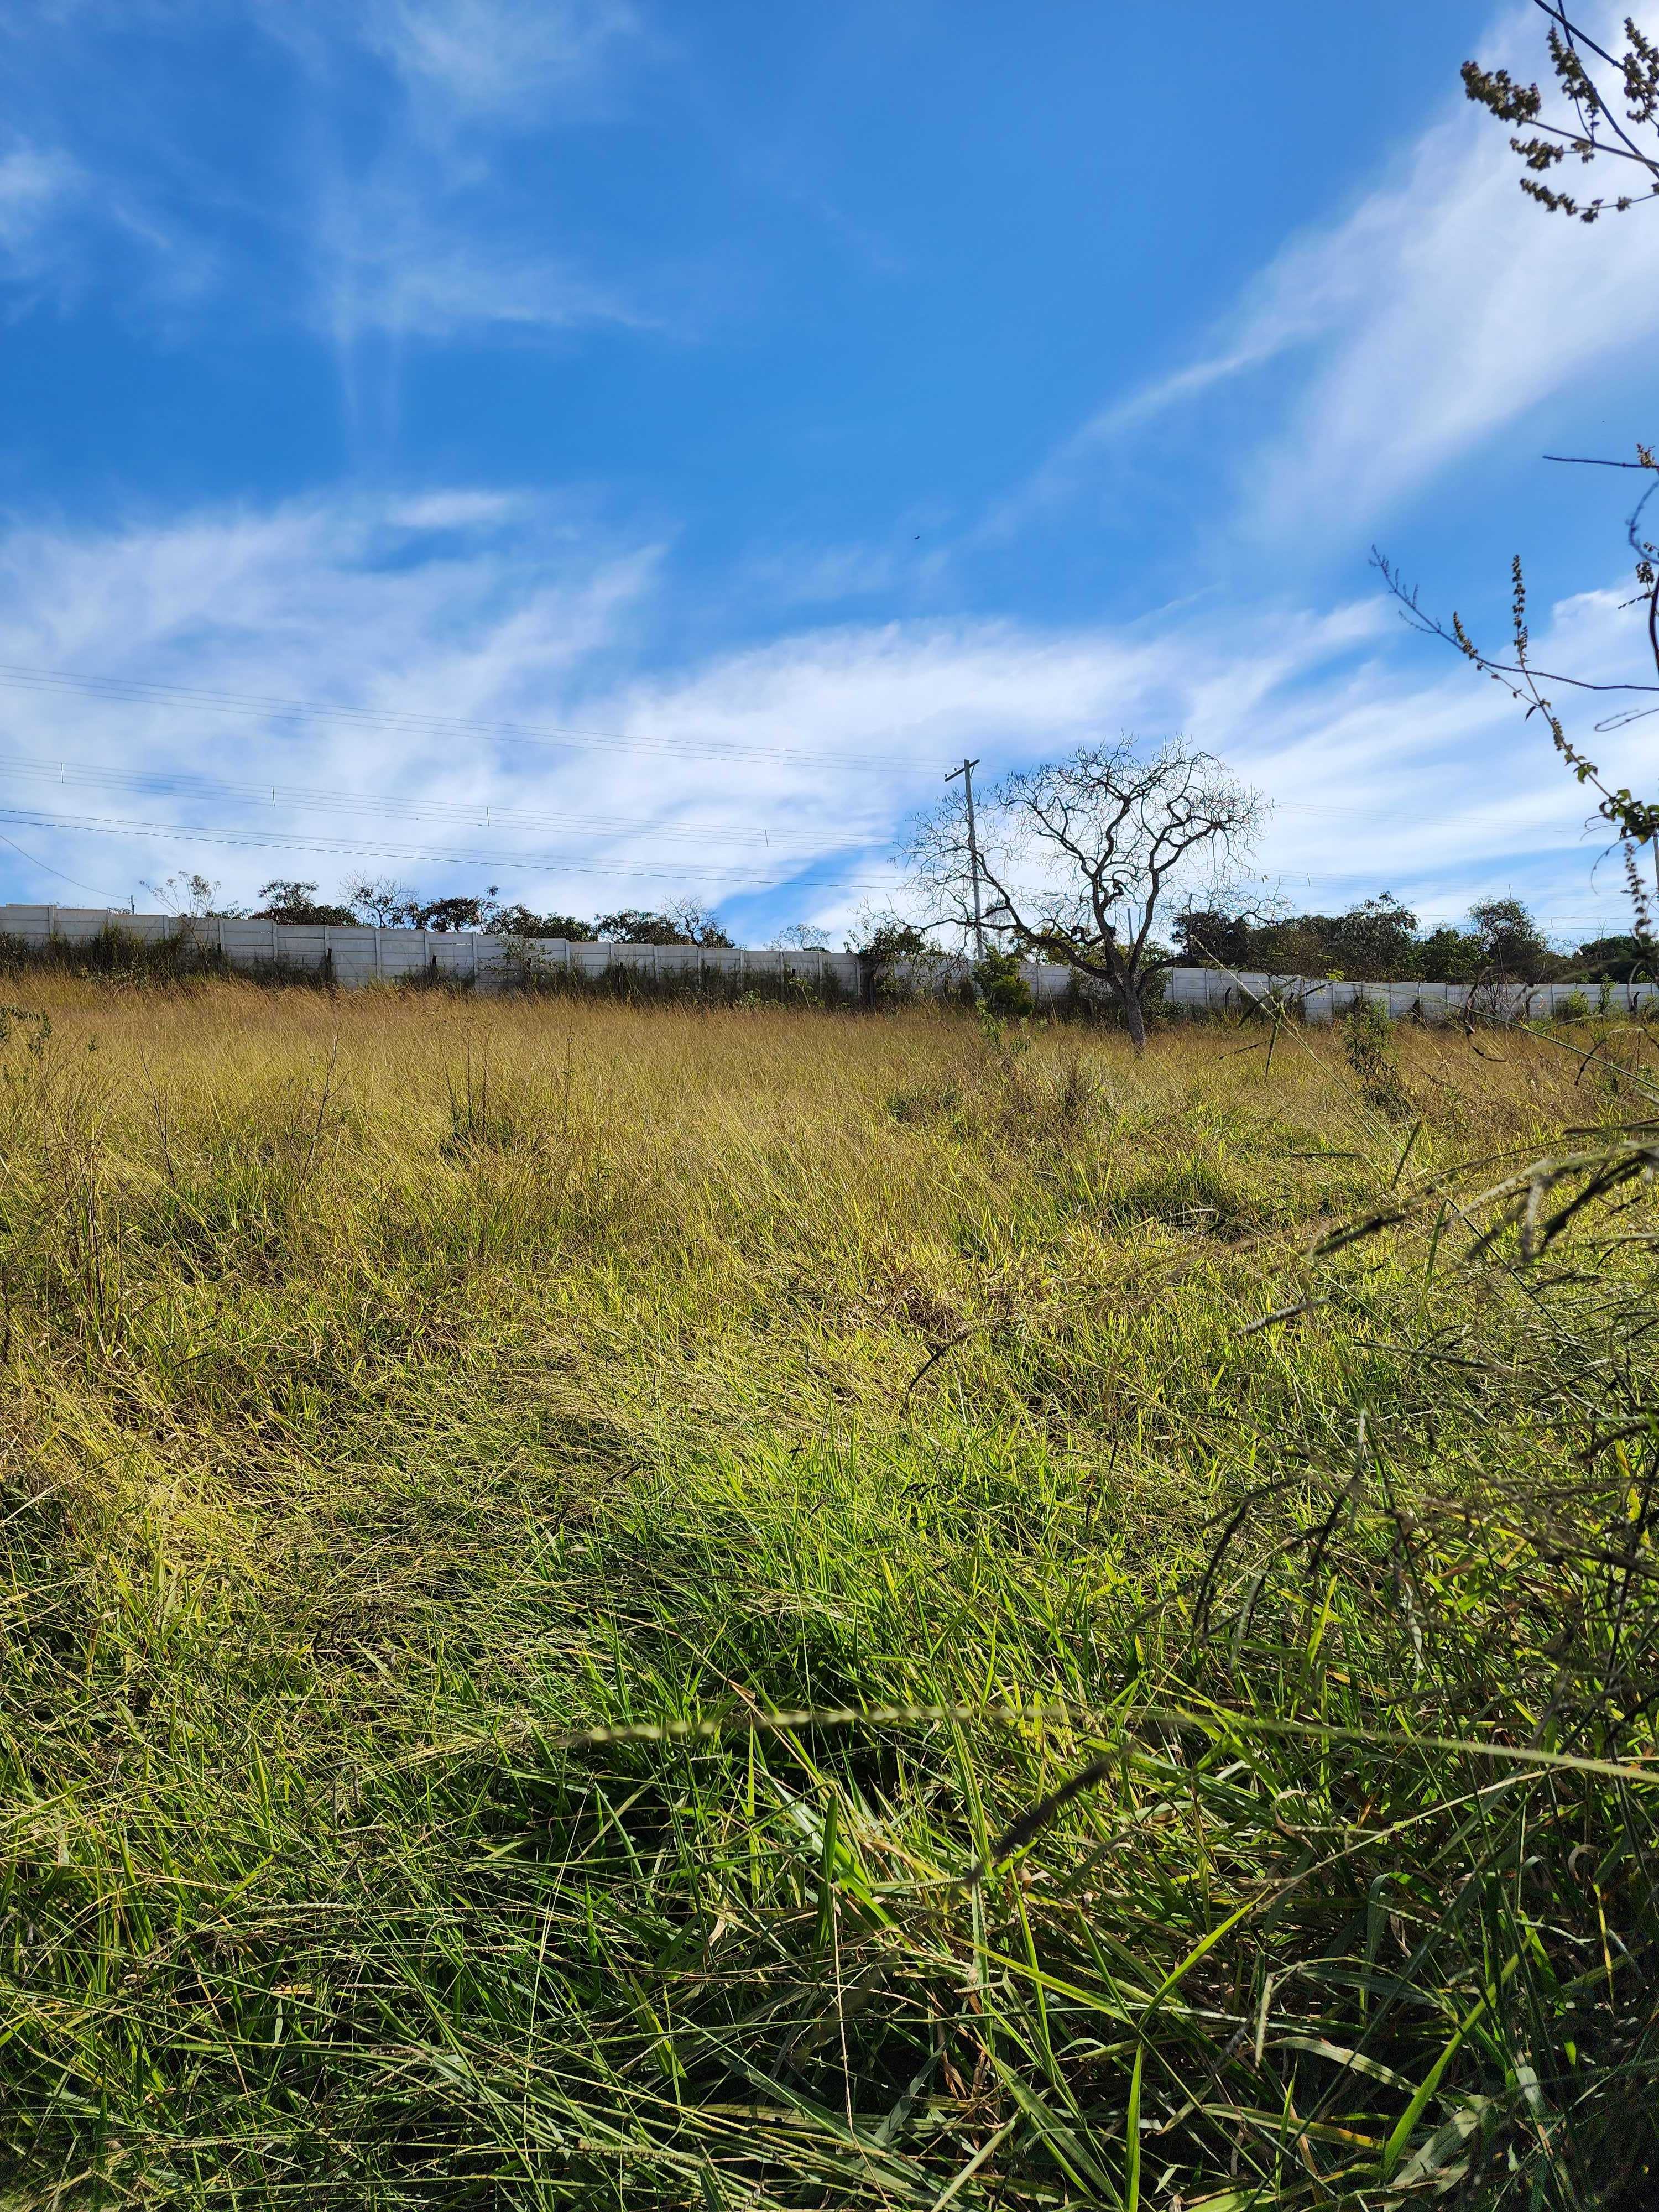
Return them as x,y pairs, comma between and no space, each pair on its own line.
388,259
770,777
463,509
42,193
65,230
1423,323
429,239
371,187
37,185
499,60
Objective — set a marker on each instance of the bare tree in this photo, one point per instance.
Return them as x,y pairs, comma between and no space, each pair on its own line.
680,921
1079,859
188,894
379,901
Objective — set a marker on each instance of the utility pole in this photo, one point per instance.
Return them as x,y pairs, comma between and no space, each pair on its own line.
966,772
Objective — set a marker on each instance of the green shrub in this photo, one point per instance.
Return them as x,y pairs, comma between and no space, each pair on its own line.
1002,988
1369,1042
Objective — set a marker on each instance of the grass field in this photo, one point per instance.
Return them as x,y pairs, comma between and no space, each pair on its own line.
438,1436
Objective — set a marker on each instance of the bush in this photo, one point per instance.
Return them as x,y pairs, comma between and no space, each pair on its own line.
119,954
1369,1042
1001,986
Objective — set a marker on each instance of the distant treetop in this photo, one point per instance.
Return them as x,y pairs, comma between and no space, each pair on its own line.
1379,940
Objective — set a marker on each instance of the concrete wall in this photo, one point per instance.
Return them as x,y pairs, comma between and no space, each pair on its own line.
1216,990
353,956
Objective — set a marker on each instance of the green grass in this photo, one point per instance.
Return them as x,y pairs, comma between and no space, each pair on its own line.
441,1439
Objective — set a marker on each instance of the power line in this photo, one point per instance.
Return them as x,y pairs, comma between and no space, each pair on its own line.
133,690
245,839
414,810
521,862
163,783
46,868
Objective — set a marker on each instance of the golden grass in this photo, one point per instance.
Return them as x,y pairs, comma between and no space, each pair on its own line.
396,1383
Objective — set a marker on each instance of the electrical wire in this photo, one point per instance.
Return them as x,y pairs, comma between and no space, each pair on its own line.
482,812
46,868
133,690
519,863
163,783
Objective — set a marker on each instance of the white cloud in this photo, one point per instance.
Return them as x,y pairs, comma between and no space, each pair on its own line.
39,187
807,576
388,262
401,215
1061,473
65,230
758,762
456,510
429,240
1444,307
332,601
1454,305
35,183
502,60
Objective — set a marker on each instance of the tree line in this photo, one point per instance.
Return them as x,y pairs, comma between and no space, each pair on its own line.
378,902
1380,940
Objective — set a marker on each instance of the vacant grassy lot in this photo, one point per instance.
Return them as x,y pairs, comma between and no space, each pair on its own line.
400,1393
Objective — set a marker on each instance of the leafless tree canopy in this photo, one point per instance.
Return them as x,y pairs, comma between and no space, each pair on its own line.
1079,859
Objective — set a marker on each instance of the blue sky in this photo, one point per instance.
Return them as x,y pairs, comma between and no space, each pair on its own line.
787,401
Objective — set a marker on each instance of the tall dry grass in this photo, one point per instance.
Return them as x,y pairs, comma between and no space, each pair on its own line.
441,1437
